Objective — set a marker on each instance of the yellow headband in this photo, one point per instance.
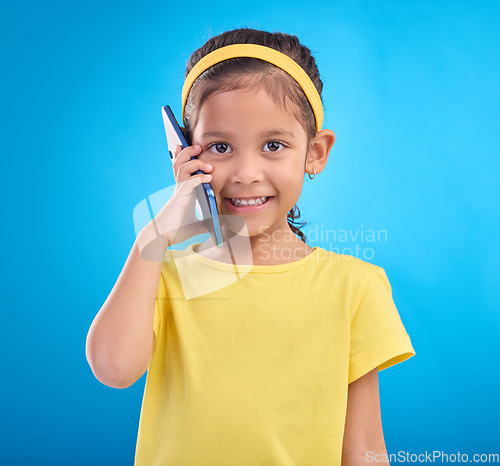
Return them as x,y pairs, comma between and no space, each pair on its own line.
263,53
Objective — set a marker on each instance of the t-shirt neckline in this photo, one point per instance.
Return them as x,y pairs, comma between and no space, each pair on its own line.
252,268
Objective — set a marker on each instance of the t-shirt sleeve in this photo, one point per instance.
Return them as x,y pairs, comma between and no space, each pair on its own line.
378,337
156,321
161,300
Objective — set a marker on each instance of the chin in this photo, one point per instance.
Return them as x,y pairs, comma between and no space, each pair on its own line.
239,226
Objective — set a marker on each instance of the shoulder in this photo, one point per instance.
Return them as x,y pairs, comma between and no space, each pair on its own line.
346,277
346,266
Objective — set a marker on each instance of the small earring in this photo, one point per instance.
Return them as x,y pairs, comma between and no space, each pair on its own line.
312,177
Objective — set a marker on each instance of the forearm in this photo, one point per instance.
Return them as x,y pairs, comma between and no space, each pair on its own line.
376,455
120,339
363,435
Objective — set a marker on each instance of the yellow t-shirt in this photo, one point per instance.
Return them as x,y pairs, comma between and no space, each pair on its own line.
251,365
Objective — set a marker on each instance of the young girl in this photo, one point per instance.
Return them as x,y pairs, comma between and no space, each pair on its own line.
264,351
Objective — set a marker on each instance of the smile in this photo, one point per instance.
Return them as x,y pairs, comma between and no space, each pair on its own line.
248,205
254,201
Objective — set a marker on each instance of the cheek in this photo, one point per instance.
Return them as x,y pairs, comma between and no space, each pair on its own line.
217,181
294,181
292,176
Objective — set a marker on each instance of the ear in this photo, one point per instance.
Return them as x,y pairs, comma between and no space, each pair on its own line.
319,150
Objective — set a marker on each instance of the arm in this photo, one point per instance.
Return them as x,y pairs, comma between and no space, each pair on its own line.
120,340
363,426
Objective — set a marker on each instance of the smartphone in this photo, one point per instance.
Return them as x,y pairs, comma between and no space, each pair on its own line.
205,197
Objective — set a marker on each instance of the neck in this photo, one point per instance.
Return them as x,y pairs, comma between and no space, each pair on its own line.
266,248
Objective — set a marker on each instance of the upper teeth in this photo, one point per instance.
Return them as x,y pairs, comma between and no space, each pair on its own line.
256,201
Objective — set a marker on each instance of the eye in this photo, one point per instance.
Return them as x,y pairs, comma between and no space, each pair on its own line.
220,148
273,146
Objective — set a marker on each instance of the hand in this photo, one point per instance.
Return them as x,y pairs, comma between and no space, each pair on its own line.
176,221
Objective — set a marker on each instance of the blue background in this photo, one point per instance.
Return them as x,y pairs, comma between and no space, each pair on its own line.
411,91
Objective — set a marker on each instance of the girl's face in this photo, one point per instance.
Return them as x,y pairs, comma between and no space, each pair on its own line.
257,149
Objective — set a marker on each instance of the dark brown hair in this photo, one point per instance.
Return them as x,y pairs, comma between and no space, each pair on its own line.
244,72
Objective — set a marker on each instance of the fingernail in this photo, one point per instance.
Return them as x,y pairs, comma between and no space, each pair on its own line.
209,166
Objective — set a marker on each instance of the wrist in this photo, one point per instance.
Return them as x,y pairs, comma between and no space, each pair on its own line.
151,243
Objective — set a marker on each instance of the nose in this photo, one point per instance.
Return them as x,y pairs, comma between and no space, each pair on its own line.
247,168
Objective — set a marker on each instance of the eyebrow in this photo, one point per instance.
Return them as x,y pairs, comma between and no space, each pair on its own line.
267,134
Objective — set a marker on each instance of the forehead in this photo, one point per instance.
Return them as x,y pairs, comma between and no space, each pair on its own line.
250,108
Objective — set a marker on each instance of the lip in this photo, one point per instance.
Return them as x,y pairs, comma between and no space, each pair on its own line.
246,209
256,196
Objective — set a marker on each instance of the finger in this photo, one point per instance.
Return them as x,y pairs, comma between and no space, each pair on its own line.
184,191
195,180
188,169
185,154
186,187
